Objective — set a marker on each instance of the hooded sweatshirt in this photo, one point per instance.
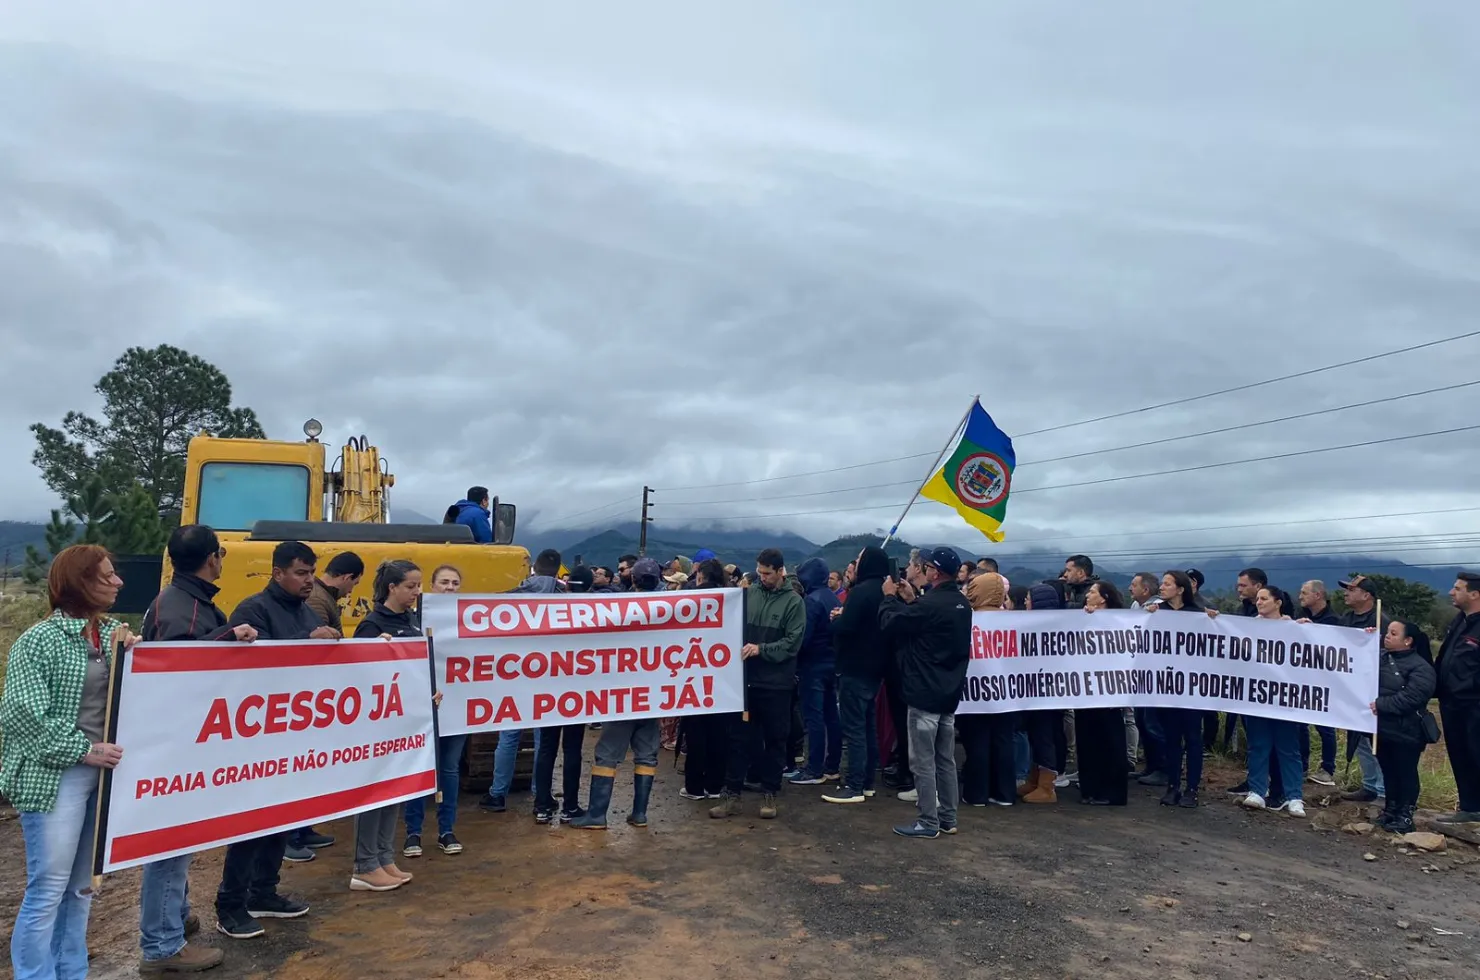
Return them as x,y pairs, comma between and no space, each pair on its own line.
820,601
987,591
858,641
477,518
776,621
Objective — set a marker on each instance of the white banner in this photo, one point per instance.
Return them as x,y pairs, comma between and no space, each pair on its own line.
1031,661
531,661
229,741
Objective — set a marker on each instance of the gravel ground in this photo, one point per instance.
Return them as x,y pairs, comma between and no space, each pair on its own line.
1060,891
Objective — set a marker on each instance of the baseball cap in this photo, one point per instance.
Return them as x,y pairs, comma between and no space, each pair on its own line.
944,559
1360,582
580,579
1196,576
646,569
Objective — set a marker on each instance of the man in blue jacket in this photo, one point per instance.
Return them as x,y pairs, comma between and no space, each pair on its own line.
817,674
473,512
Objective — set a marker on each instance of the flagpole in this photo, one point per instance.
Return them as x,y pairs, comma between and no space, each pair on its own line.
930,472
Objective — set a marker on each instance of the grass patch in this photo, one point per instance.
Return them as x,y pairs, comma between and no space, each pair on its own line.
1438,790
18,613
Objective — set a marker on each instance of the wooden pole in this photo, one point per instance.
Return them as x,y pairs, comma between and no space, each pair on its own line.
1380,641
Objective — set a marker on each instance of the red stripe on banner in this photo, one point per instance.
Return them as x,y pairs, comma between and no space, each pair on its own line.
300,813
182,658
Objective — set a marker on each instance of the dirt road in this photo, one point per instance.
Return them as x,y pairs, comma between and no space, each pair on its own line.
1064,891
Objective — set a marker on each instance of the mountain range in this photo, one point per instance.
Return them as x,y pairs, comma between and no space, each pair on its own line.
741,546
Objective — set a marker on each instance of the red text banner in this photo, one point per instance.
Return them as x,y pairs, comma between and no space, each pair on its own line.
229,741
531,661
1300,672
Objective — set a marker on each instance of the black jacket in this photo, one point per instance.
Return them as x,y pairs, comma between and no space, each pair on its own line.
1405,682
858,640
1075,594
1361,621
1327,617
1458,663
186,610
381,620
934,633
276,615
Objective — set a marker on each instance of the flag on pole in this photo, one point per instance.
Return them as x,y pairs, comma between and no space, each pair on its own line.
977,477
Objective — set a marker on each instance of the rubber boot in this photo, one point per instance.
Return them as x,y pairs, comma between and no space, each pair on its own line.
602,780
1029,783
642,790
1044,793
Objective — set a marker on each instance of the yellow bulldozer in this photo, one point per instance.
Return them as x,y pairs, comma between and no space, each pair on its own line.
256,493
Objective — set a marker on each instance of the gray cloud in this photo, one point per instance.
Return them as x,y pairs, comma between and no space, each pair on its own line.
566,254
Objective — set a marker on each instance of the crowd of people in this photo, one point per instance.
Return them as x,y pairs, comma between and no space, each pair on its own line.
852,679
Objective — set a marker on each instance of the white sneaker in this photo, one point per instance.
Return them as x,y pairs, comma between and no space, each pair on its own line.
910,796
1067,779
1295,808
1253,802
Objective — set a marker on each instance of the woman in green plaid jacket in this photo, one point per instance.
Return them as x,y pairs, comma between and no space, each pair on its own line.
52,749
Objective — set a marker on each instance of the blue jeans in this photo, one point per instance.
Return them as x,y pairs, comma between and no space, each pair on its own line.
449,774
1267,735
50,938
164,905
504,757
1371,769
819,687
858,723
1022,755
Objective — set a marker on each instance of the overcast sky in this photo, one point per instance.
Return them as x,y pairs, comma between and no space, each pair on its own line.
567,251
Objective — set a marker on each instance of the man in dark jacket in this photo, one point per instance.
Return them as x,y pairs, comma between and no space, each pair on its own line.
1315,607
1458,667
1361,613
340,578
185,610
935,635
862,651
818,679
1079,578
250,877
775,623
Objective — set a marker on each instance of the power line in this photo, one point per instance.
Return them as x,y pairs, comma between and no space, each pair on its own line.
1096,452
1103,418
1253,425
1239,527
1253,384
1112,479
1253,459
556,521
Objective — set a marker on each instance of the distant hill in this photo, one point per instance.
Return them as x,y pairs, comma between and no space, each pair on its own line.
665,542
15,535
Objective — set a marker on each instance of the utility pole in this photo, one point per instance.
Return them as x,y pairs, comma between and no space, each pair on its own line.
646,520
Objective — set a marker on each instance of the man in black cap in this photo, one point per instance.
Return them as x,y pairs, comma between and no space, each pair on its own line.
1361,614
1458,667
934,636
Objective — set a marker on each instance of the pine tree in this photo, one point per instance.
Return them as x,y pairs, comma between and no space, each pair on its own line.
60,532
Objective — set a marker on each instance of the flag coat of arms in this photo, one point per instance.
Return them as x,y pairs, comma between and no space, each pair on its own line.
976,478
